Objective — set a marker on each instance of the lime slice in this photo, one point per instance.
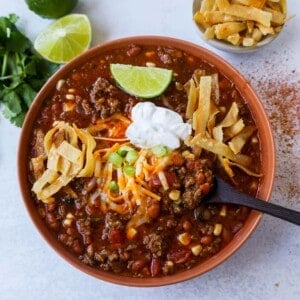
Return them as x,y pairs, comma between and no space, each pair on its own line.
65,38
51,9
143,82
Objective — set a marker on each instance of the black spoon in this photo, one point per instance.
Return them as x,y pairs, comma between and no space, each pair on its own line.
225,193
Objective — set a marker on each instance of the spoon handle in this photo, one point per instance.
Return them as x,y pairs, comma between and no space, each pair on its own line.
230,195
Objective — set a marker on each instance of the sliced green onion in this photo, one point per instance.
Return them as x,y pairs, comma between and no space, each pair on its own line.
129,170
113,186
159,150
115,159
124,149
131,156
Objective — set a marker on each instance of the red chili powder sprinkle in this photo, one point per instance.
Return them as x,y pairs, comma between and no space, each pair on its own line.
279,92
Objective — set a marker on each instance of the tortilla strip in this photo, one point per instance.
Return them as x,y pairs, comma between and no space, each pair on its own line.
218,148
54,187
237,142
48,176
69,152
249,13
254,3
201,115
207,5
230,119
90,143
192,99
223,30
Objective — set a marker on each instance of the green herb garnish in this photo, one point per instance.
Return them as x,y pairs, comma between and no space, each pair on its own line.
23,71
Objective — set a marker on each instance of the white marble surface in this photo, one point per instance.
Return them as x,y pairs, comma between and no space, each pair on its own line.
266,267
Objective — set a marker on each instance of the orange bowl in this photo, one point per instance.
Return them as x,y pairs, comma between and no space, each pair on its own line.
267,158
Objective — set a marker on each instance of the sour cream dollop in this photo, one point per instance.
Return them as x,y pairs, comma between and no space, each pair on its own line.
153,125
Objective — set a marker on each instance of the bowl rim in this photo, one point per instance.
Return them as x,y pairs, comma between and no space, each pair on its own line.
256,108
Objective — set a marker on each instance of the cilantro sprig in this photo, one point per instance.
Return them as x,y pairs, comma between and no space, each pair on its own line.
23,71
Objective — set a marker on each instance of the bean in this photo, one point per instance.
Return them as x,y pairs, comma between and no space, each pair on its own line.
52,221
153,210
205,187
71,231
187,225
154,182
90,250
177,159
64,238
146,272
76,76
179,256
206,240
51,207
137,265
226,235
77,247
200,178
155,267
206,214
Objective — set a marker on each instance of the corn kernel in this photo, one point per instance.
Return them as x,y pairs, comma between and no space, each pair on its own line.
150,54
196,250
169,263
131,233
188,154
67,222
70,216
150,64
59,84
174,195
184,238
218,229
68,106
223,211
70,97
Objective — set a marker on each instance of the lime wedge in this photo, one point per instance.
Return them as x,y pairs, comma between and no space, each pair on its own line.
143,82
51,9
65,38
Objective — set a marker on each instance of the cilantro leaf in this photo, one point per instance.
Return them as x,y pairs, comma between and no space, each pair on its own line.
22,73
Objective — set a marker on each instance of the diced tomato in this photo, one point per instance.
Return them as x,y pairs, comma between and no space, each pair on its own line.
115,237
171,178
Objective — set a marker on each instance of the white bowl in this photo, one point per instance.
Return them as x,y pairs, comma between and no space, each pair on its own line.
226,46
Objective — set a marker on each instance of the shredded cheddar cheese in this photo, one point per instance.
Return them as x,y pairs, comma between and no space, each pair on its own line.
72,152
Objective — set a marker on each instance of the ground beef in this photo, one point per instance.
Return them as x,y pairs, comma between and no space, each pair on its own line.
86,107
101,87
102,96
155,244
106,107
84,228
197,181
169,55
112,222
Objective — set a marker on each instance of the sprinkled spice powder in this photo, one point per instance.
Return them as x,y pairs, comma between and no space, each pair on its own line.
279,91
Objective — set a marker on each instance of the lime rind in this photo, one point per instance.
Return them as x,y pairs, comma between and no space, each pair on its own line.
139,81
